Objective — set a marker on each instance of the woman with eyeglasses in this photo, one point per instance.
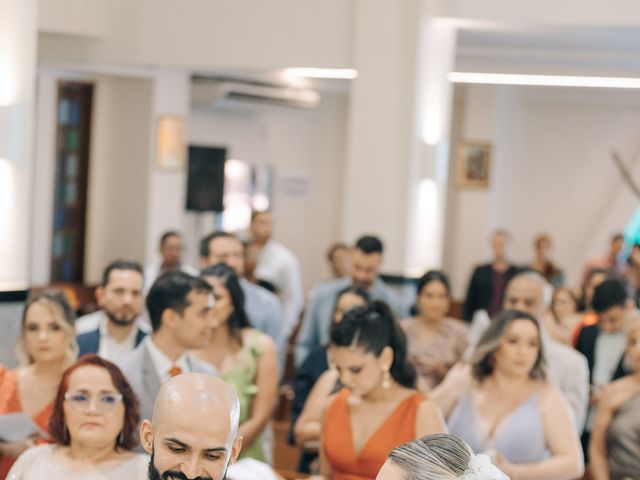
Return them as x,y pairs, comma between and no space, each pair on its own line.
95,415
46,347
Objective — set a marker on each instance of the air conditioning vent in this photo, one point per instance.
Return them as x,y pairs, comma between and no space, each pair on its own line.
221,94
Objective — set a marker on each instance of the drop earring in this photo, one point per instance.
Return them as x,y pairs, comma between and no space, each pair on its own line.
386,380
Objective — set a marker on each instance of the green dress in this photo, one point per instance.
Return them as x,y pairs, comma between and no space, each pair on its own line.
243,380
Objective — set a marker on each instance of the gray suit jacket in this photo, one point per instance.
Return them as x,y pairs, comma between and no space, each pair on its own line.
141,373
264,310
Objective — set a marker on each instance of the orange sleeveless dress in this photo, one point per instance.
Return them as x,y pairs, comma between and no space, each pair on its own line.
337,444
10,403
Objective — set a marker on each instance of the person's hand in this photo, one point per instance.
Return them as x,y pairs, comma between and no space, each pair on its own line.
505,465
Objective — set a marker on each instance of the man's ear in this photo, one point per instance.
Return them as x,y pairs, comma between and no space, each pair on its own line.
169,319
235,449
146,436
99,292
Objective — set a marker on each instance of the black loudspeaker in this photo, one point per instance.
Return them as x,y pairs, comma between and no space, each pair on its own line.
205,181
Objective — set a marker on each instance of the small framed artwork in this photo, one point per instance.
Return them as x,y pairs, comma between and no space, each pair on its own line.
171,152
473,164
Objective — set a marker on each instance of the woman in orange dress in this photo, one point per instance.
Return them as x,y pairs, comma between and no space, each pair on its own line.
47,346
379,408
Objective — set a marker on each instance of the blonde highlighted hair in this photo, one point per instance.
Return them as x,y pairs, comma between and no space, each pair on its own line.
56,302
441,456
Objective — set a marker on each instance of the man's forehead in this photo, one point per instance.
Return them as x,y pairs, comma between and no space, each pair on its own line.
222,245
524,288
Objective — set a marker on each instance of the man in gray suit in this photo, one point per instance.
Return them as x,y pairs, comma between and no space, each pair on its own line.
366,258
178,306
263,308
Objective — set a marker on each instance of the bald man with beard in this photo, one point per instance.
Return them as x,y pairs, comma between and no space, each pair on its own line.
193,434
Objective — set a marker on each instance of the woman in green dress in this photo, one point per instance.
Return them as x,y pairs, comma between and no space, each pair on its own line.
246,359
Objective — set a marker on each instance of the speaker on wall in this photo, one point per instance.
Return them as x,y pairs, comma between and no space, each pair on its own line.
205,181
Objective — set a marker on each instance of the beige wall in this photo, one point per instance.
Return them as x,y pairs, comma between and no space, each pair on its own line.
552,171
118,174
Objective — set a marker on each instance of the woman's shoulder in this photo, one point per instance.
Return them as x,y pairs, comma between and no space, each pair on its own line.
31,458
256,339
456,326
617,392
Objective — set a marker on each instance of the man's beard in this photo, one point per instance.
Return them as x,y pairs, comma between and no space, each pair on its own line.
122,322
154,473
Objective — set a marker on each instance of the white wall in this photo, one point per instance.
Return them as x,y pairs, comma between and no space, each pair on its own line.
199,34
118,173
307,143
552,171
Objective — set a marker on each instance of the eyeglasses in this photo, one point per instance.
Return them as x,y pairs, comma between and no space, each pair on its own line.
106,402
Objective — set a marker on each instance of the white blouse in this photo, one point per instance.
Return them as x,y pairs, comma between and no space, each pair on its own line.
38,463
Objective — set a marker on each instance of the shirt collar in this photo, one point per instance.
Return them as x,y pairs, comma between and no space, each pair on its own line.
162,363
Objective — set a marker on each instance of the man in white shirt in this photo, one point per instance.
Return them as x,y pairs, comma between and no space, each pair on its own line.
278,266
171,248
116,329
178,306
263,308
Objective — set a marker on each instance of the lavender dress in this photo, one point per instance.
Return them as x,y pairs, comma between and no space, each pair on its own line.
519,437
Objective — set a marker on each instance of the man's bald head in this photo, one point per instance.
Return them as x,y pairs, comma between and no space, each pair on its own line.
193,432
529,292
197,391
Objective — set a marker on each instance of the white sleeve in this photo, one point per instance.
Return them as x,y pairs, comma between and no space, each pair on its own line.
25,461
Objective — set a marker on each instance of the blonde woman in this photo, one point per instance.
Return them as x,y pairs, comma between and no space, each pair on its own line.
441,456
47,346
614,451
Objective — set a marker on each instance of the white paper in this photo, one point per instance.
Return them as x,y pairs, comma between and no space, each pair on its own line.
15,427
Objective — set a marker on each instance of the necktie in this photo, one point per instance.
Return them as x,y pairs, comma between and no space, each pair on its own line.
175,371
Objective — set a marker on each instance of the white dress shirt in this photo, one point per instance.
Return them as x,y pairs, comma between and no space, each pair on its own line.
112,349
279,266
164,364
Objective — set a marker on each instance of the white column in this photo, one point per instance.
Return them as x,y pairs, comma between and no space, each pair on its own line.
18,42
397,153
430,155
167,189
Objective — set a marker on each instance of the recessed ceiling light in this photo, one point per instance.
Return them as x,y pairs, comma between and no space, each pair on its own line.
543,80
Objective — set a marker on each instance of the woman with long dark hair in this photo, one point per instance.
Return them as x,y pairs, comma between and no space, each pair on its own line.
245,357
379,408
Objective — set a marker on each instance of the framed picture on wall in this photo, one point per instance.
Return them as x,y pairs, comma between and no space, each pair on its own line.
171,152
473,164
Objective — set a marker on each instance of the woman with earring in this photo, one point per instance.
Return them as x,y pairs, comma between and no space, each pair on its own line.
93,424
245,357
379,408
614,450
47,346
511,412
